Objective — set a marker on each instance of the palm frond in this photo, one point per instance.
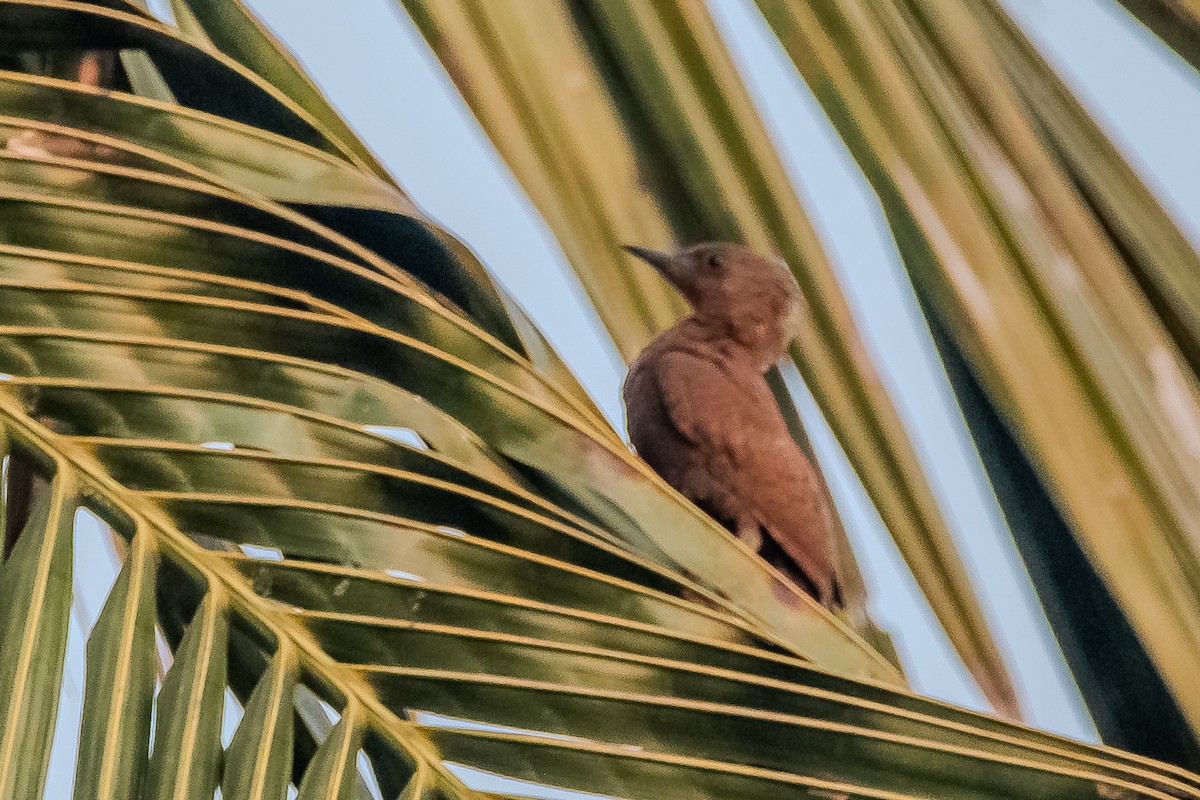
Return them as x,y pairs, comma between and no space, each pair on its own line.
1012,261
660,143
361,533
1176,22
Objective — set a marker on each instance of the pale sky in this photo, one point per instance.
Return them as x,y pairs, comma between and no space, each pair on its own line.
375,68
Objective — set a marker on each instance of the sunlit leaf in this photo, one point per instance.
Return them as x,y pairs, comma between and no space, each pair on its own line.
1011,259
659,144
341,486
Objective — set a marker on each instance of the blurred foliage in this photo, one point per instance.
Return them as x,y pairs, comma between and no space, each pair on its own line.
1176,22
1006,203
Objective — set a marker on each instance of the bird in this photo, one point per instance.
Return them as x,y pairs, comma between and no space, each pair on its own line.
700,413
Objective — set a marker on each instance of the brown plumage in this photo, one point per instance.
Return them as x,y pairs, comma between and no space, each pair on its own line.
700,412
93,68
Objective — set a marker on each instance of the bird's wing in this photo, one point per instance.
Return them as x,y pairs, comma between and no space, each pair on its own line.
790,503
745,442
704,404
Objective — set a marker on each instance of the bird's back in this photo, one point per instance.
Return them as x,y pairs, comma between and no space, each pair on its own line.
709,425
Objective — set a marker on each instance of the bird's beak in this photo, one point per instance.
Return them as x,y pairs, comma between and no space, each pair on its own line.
660,261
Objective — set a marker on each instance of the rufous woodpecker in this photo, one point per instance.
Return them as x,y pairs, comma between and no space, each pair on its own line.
701,414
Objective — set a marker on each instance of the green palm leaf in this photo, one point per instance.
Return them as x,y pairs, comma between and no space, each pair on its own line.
1175,22
1017,269
366,518
660,143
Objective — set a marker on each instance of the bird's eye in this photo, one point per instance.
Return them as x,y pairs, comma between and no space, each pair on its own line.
714,261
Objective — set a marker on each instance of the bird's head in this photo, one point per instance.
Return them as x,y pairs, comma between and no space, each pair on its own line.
734,291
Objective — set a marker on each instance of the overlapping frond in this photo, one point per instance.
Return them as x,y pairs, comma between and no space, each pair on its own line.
627,122
1048,269
370,541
